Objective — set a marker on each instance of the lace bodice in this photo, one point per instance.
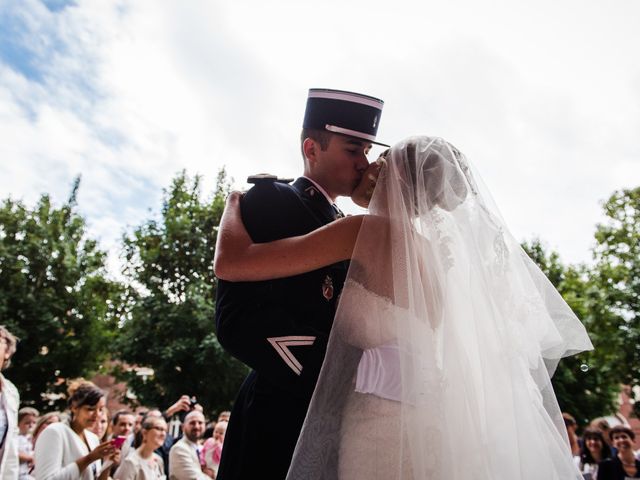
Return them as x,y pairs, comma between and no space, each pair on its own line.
365,319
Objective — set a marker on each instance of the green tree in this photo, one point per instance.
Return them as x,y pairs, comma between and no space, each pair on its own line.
171,328
617,255
586,384
55,296
606,297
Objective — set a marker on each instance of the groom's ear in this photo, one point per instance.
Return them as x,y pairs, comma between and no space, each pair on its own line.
310,149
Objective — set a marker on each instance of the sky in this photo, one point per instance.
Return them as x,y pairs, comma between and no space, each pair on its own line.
543,97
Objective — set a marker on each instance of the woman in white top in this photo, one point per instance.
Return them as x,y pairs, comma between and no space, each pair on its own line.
43,422
9,402
439,361
143,463
70,451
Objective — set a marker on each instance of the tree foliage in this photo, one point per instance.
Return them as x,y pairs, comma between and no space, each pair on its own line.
586,384
55,296
606,297
617,255
171,327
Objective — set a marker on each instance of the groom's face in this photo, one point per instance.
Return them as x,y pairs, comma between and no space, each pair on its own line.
340,167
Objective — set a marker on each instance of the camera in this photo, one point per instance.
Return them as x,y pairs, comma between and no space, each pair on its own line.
192,404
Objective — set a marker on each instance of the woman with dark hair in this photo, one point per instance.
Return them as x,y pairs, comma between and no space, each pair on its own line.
70,451
594,450
446,335
624,465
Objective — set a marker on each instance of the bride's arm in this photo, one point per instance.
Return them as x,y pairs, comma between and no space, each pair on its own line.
238,259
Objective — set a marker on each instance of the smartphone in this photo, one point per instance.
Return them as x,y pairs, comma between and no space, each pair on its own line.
118,441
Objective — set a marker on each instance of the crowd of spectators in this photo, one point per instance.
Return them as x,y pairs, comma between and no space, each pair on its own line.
603,452
86,442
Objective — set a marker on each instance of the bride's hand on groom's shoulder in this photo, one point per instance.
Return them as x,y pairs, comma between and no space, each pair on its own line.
232,204
234,197
231,214
361,196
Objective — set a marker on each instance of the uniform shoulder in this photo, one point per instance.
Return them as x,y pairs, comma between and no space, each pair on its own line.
266,178
266,181
267,190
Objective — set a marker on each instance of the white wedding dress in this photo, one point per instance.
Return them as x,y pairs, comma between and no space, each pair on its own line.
440,357
372,418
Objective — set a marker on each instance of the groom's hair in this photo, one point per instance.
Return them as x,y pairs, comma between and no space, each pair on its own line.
321,136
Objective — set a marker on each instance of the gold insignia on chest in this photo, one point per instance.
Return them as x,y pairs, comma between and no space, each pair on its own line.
311,191
327,288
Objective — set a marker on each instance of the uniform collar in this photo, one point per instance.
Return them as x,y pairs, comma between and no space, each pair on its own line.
314,197
320,189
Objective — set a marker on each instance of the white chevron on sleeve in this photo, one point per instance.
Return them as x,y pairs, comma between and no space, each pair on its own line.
282,344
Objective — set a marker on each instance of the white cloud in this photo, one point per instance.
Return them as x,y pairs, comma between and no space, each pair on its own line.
544,98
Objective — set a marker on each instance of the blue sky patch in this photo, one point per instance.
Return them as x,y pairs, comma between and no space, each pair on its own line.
32,45
15,49
57,5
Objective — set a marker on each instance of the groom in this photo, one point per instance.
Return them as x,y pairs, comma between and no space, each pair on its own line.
280,328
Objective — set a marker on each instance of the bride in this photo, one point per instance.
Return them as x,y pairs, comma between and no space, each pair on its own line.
445,338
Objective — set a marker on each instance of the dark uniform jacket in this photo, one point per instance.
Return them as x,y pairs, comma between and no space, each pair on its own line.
280,329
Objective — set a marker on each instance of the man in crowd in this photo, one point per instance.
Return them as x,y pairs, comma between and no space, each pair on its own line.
184,458
123,422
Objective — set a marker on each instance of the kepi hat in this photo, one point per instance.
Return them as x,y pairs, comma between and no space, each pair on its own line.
347,113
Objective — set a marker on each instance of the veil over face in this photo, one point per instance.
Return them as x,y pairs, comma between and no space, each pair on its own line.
466,329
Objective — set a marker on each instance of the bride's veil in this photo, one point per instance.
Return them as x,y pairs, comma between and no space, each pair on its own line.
461,333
